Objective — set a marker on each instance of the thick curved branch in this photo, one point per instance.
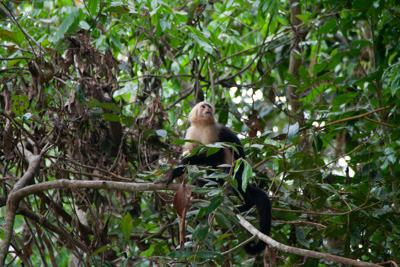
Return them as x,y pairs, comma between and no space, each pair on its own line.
12,202
299,251
19,193
109,185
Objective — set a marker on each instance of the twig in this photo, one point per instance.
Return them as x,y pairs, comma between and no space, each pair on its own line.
353,118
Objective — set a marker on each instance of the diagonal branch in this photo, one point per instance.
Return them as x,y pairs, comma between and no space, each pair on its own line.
63,235
354,117
299,251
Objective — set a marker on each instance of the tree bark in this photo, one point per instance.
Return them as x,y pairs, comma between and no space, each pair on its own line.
295,60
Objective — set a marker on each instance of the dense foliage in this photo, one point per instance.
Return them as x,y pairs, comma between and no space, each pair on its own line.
100,91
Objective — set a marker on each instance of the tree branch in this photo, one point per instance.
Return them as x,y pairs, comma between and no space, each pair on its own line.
354,117
19,193
12,202
299,251
64,236
109,185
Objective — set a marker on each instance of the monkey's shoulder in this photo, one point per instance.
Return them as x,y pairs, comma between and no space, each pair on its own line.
227,135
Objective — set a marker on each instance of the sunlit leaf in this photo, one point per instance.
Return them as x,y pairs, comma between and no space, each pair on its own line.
293,131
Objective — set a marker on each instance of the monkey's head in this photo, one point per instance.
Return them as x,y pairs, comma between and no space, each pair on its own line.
202,114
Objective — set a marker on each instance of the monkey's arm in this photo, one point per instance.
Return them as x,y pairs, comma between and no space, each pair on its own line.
197,159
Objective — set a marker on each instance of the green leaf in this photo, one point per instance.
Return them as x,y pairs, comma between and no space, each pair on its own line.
19,36
293,80
102,249
158,30
128,121
220,175
214,148
66,24
339,80
182,16
181,142
335,60
115,41
303,19
7,36
201,40
214,204
301,237
208,255
167,9
247,172
223,221
293,131
179,254
362,4
318,67
175,67
164,24
201,232
20,104
266,7
396,83
355,52
111,117
109,106
361,43
304,75
328,27
126,226
93,6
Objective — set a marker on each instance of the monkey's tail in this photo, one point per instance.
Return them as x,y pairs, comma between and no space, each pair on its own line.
263,204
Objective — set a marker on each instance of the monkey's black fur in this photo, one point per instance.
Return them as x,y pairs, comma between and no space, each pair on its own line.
252,196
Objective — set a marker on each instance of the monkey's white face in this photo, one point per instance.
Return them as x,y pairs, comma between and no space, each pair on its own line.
202,114
205,111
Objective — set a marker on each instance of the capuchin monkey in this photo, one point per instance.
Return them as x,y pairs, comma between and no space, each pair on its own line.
206,130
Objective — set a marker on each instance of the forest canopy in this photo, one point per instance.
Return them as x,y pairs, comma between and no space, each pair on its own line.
94,99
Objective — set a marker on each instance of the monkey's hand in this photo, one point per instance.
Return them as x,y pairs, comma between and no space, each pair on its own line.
166,180
185,153
170,176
